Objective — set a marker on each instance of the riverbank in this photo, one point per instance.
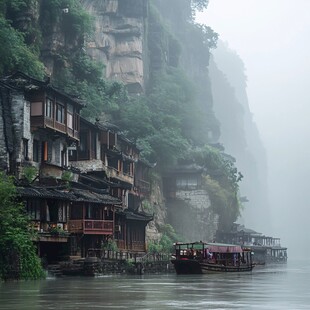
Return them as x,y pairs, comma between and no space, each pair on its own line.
93,266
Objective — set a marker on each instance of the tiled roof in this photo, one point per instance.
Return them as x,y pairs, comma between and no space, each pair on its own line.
136,216
69,195
41,192
89,196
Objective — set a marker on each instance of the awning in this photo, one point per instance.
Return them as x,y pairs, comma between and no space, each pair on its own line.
224,248
136,216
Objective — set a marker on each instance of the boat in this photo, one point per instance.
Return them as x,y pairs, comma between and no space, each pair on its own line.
201,257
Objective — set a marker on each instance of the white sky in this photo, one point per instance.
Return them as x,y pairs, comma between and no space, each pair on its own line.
272,37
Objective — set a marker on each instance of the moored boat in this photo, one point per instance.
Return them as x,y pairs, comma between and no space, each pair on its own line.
201,257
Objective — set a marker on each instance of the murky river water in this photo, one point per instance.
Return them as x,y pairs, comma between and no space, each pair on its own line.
273,287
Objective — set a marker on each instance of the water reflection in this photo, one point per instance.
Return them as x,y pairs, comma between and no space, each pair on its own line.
278,287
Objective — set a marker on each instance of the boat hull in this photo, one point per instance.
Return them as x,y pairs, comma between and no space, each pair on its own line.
187,266
200,267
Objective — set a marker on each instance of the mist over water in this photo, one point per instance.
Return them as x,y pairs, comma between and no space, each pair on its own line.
271,38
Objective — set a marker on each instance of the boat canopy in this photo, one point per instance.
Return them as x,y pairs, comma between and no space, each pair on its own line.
210,247
223,248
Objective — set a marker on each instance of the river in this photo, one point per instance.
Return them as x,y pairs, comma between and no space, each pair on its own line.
270,287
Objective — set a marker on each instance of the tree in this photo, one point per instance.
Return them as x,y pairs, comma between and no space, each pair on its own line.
221,181
200,4
15,54
165,244
136,117
18,259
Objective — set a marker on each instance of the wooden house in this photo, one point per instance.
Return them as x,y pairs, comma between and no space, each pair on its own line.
107,160
84,173
45,122
266,249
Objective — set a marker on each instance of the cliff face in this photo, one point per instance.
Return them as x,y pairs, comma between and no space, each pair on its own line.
239,133
119,39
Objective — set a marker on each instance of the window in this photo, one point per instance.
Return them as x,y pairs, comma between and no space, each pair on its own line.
113,163
83,141
63,158
49,108
25,149
83,147
188,182
44,151
76,121
62,212
76,211
70,116
70,120
36,151
36,109
94,145
34,209
127,168
60,113
70,108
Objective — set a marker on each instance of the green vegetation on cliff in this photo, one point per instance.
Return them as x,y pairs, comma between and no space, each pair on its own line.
15,52
221,182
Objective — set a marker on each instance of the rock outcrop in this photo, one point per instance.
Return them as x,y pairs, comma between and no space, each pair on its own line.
118,39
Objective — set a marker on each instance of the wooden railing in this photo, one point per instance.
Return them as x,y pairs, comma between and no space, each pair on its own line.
114,173
135,246
143,186
154,257
42,121
95,227
86,155
121,244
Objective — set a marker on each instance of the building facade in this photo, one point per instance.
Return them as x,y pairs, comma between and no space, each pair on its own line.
82,183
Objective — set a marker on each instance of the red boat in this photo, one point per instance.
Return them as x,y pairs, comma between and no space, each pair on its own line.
201,257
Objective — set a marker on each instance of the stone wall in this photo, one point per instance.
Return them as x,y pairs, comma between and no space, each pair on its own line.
94,267
88,165
191,215
158,208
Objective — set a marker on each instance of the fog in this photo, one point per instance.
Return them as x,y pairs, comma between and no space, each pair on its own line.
272,38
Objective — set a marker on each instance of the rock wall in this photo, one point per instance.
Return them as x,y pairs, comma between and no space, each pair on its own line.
13,127
191,215
118,40
159,210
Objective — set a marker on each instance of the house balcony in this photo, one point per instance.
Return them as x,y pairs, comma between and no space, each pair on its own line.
50,232
116,174
48,170
143,186
88,165
42,121
91,227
